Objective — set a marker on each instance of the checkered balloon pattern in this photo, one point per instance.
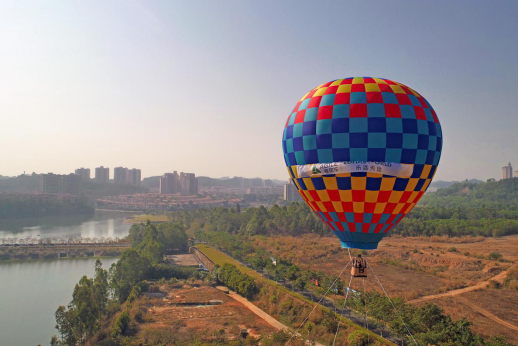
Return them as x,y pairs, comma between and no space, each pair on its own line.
369,120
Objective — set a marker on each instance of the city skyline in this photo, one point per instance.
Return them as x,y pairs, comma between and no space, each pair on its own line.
195,86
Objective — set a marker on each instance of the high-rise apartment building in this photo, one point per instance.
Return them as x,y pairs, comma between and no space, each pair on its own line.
84,173
291,194
56,183
169,183
120,175
185,183
123,175
188,184
134,176
507,171
102,174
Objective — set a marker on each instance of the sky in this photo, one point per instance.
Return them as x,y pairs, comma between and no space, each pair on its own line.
206,86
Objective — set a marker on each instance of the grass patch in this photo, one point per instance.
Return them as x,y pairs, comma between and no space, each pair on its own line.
144,217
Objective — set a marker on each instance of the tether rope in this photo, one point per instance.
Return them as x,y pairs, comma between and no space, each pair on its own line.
343,308
317,304
366,321
393,306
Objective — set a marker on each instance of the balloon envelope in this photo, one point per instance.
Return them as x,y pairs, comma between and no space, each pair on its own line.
362,151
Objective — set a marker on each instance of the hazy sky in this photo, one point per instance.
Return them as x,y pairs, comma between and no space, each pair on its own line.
206,86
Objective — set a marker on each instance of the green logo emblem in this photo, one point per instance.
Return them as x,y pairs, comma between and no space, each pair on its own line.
315,170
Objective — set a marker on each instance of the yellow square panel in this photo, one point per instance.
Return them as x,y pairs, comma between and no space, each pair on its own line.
412,182
398,208
358,80
346,195
320,92
371,196
308,183
425,186
412,197
336,82
380,81
321,206
358,207
379,208
330,183
358,183
426,171
387,184
397,89
416,94
324,196
297,184
371,87
308,195
338,207
395,196
345,88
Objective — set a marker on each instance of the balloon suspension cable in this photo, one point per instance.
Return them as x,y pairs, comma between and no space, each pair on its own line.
394,307
343,307
366,321
317,304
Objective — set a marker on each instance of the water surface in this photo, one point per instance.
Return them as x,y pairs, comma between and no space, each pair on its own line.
30,293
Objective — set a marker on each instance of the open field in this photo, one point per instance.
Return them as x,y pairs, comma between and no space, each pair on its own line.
185,311
144,217
455,271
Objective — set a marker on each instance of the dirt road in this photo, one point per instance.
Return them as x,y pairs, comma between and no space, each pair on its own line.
269,319
488,314
499,277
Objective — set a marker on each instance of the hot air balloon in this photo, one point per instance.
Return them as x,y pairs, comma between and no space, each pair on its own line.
362,151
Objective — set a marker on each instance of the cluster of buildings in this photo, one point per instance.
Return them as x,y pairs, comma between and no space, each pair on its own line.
121,175
61,183
507,172
185,184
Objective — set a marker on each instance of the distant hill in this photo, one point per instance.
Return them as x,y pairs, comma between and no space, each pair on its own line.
441,184
502,194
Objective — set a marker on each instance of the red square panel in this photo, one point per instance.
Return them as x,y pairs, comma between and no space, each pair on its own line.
368,80
314,102
374,97
358,88
325,112
342,98
370,207
378,228
419,113
310,94
365,227
358,217
296,108
339,226
358,195
347,81
299,118
385,88
403,99
352,226
348,207
435,117
392,110
331,90
358,110
390,82
423,103
389,208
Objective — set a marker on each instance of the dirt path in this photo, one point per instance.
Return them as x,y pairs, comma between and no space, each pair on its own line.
499,277
269,319
488,314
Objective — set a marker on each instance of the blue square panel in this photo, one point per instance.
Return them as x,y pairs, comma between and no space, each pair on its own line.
340,140
358,125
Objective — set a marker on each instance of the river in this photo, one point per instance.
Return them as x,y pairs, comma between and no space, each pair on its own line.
98,225
31,291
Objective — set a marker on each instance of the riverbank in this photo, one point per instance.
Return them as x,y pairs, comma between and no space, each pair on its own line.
55,251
